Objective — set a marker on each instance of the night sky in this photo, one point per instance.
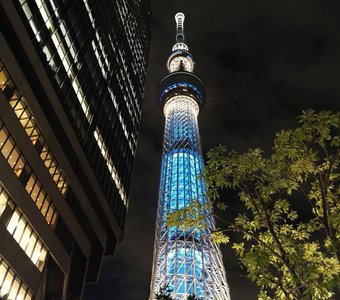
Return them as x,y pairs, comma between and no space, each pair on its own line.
262,63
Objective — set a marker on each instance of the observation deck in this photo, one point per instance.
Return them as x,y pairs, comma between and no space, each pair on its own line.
181,83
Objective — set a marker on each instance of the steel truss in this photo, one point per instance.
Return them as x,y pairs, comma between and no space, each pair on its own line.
185,262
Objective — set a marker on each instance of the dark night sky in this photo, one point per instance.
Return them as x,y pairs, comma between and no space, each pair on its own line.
262,63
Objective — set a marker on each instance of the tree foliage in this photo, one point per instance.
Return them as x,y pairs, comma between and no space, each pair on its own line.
290,225
165,294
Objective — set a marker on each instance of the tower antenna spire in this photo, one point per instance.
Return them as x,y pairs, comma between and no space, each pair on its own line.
179,17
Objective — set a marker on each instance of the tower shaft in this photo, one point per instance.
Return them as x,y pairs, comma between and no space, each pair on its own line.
185,262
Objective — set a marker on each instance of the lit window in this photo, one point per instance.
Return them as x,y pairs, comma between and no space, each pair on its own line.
28,122
24,235
3,200
110,165
11,285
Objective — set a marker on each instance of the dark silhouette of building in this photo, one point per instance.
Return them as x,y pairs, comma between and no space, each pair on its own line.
72,76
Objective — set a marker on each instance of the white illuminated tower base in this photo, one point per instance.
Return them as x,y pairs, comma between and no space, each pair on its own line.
185,262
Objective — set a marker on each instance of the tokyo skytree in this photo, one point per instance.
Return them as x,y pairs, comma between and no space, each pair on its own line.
185,262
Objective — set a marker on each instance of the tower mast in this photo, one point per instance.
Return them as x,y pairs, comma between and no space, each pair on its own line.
185,262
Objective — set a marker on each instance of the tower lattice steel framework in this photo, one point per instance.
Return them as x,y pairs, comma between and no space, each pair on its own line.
185,262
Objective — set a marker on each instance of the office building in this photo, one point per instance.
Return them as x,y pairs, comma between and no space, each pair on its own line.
72,76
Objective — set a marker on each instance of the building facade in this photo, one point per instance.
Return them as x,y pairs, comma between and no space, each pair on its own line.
72,76
186,261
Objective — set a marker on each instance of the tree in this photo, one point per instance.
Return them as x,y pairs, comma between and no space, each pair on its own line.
165,294
290,224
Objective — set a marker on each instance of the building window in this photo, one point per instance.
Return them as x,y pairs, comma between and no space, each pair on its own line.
57,174
3,199
27,239
41,200
113,171
21,230
11,286
28,122
62,42
10,151
13,155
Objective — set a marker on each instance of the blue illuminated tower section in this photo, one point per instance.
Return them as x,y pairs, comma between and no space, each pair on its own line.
185,262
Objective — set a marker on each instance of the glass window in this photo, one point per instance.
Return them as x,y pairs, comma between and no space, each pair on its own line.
7,147
13,223
44,208
22,293
40,199
3,78
31,245
27,120
36,252
29,296
3,136
27,10
19,165
18,109
52,169
56,175
17,160
48,160
35,191
50,214
15,98
25,237
29,128
54,218
3,271
25,175
19,230
14,289
64,190
43,154
34,135
12,159
3,201
6,286
11,285
30,184
24,118
61,182
41,259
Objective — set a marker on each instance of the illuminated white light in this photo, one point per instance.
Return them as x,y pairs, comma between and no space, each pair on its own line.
172,105
54,8
35,31
101,66
110,165
102,50
24,235
180,46
67,61
178,62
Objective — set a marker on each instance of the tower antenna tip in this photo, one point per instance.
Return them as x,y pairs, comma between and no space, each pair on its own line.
179,17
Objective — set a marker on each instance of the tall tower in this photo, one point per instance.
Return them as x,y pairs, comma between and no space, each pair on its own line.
185,262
